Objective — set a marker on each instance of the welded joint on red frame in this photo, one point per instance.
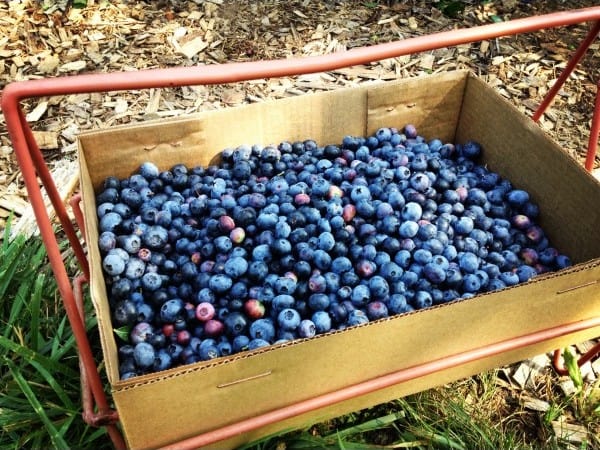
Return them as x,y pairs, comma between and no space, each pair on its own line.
106,417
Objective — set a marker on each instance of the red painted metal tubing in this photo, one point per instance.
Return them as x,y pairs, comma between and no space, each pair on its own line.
106,418
594,133
379,383
234,72
52,191
18,138
585,44
75,203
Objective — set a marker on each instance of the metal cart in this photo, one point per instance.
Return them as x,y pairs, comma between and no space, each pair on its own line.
96,408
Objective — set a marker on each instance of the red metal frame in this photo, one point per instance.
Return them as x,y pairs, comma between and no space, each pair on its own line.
31,161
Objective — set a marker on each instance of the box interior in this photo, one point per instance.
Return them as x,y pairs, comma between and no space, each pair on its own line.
452,106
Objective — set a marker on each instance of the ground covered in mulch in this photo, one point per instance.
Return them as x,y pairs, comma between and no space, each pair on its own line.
129,36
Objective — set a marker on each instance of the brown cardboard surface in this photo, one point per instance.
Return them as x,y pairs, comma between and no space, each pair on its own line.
192,399
403,389
524,155
435,108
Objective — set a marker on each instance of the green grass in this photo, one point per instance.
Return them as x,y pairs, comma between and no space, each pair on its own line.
39,373
40,388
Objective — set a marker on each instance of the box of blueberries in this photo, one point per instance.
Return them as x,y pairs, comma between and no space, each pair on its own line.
248,259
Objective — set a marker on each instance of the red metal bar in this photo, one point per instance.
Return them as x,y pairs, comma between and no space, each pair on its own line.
53,194
19,140
585,44
594,133
74,202
107,418
587,356
25,151
382,382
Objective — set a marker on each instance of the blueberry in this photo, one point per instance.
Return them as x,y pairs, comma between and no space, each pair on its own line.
258,343
110,222
282,301
107,241
288,319
125,313
240,343
208,350
357,317
262,329
134,268
379,288
397,304
235,325
113,264
171,310
563,261
361,295
155,237
144,355
517,198
220,283
423,299
322,321
236,267
376,310
509,278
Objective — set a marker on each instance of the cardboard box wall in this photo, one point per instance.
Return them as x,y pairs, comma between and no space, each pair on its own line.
162,408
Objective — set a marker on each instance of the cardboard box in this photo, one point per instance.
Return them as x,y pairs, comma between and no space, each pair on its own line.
165,407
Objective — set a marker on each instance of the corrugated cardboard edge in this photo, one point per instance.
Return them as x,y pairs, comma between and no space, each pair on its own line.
211,373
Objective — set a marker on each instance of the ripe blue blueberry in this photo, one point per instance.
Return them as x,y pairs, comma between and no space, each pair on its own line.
144,355
288,319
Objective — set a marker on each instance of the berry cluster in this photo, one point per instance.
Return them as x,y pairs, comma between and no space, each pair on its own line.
283,242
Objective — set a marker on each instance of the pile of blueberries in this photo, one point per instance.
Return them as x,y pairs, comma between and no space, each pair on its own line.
283,242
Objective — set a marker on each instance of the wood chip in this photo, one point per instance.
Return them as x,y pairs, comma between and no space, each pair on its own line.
66,175
37,112
527,371
46,140
299,14
120,106
584,347
535,404
14,203
427,62
412,23
49,64
570,432
596,367
73,66
567,387
484,46
193,47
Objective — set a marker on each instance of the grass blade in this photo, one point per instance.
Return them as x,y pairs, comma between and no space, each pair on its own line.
29,355
57,439
370,425
35,302
60,392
